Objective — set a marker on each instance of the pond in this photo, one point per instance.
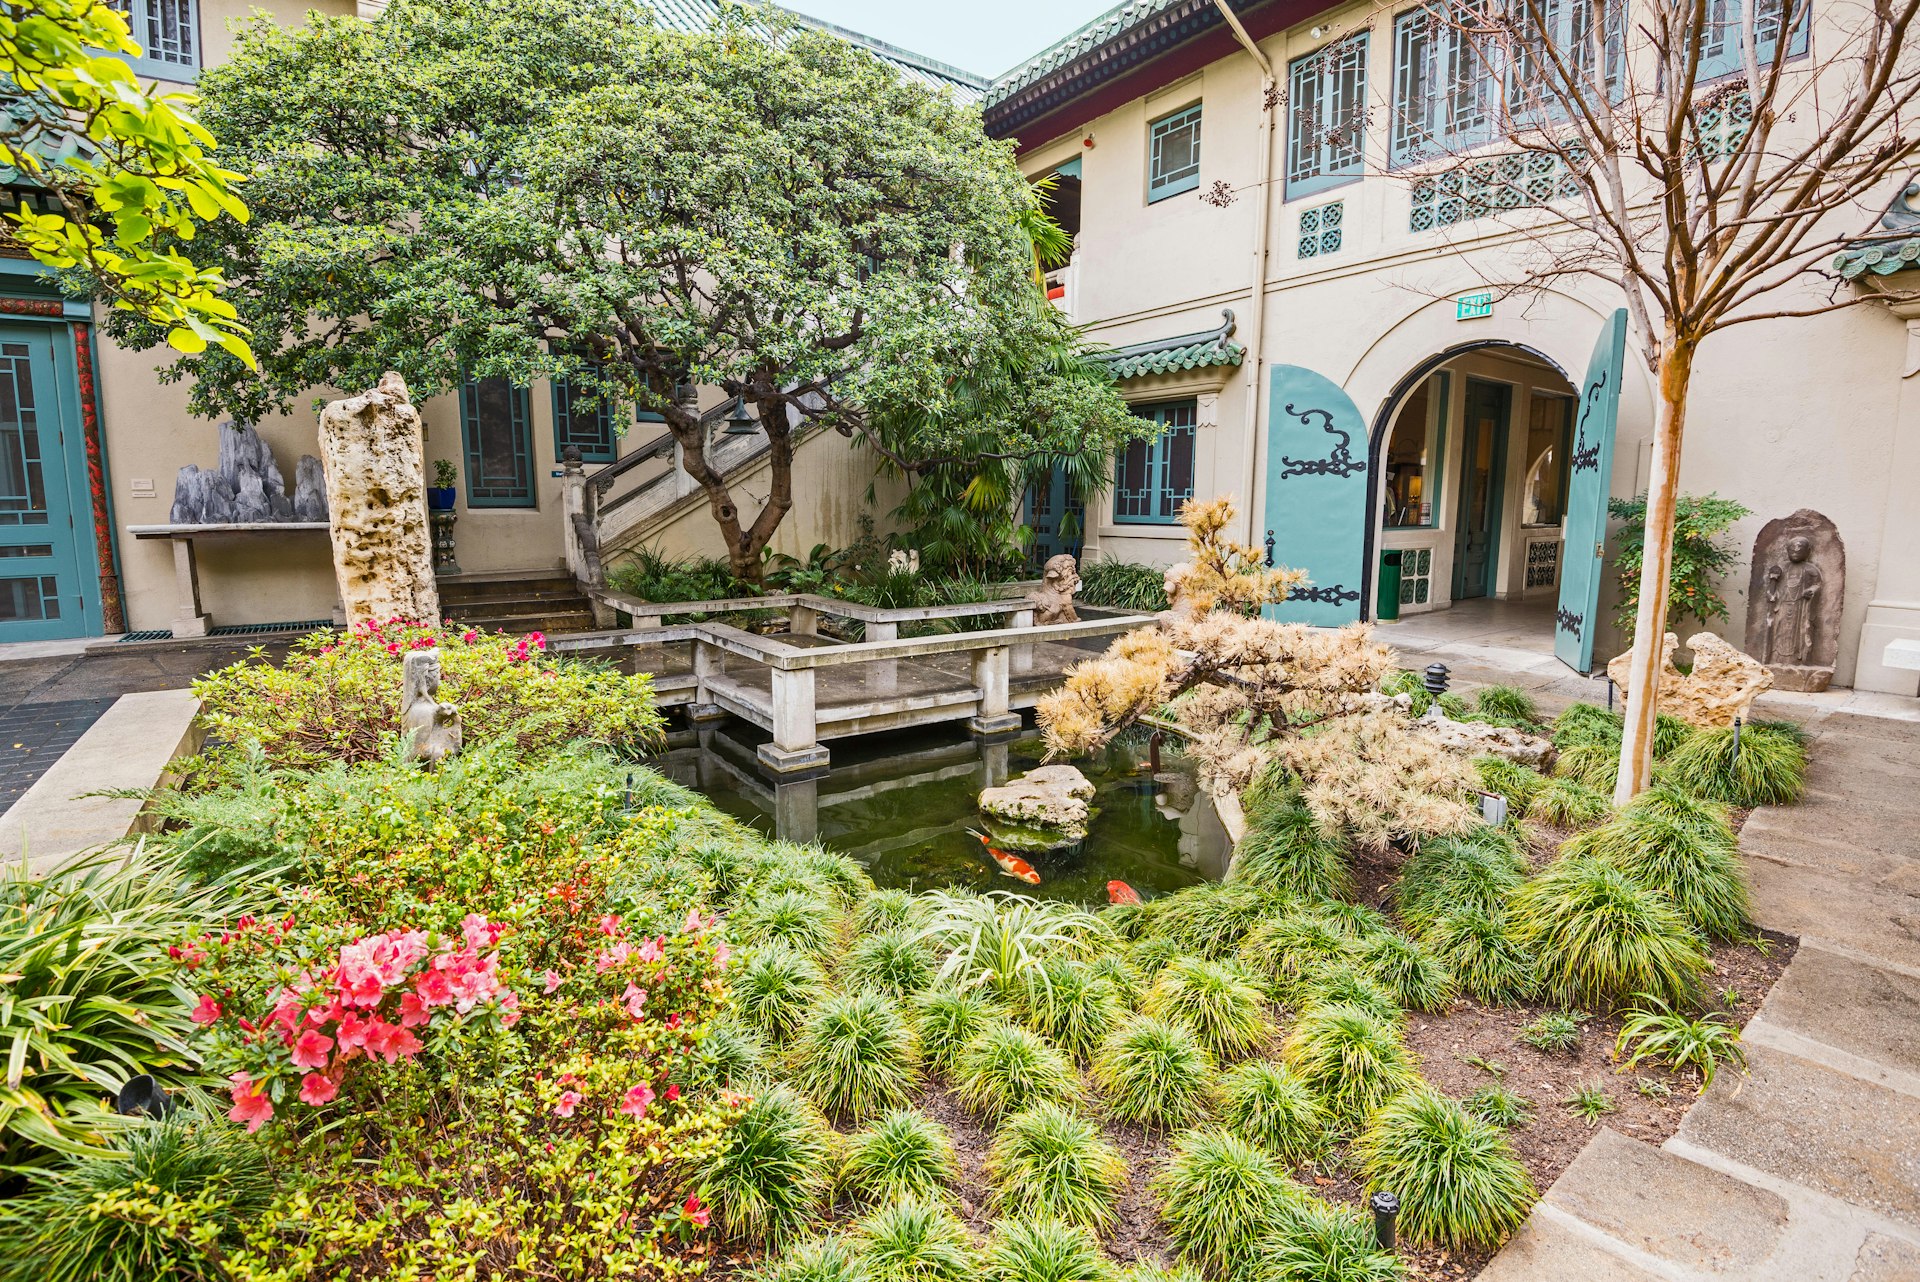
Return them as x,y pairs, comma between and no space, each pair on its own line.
902,805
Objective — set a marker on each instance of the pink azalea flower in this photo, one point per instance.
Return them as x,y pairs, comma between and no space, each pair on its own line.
250,1102
636,1000
637,1099
433,987
651,951
413,1011
612,957
206,1011
310,1051
610,925
316,1089
470,636
693,922
568,1101
721,953
553,981
696,1212
353,1030
509,1009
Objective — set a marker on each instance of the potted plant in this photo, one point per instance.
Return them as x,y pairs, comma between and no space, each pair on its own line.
440,494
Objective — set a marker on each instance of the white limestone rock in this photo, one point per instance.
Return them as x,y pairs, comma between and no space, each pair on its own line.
1476,739
370,447
1723,684
1051,798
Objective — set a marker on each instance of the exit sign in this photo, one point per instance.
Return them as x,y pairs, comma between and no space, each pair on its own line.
1473,306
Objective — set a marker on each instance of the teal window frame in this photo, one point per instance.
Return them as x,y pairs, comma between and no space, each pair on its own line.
1155,465
580,422
182,62
1720,42
1165,179
1324,87
485,488
1443,93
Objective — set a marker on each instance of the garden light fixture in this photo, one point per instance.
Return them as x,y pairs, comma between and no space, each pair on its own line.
1436,679
739,421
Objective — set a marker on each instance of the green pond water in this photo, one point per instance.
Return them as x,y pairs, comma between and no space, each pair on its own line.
901,805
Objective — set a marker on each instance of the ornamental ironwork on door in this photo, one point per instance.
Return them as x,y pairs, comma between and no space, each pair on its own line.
1317,495
1589,481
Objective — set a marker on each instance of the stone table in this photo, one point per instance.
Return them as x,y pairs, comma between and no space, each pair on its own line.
188,620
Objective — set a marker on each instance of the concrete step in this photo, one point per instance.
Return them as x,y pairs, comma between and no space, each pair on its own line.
505,606
556,623
510,590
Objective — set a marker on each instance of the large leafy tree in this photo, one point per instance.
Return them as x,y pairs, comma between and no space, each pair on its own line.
518,188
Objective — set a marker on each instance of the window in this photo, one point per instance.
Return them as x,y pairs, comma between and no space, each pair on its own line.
169,31
1173,154
1564,27
1326,110
1549,442
1441,90
1726,23
581,421
1415,451
495,418
1153,478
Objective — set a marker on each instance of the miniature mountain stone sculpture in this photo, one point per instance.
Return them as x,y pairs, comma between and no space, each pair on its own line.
376,500
309,490
1723,684
435,726
1042,810
1053,599
245,487
1794,599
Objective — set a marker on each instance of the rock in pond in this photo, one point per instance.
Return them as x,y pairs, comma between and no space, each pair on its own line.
1042,810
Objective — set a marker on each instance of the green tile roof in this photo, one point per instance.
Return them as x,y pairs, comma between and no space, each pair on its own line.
1172,355
1894,247
1114,22
699,15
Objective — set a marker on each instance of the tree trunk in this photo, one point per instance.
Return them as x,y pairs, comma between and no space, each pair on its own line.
1656,572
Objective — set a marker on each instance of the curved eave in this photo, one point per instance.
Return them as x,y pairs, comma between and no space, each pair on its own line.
1878,258
1175,360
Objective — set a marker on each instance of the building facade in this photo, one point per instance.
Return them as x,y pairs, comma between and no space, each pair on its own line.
1324,347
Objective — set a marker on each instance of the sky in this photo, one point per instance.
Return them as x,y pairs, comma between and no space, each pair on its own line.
985,37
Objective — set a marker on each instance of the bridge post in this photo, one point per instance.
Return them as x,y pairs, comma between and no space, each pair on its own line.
795,749
991,677
1022,654
883,674
706,665
803,621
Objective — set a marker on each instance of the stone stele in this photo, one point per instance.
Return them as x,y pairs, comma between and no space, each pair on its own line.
1047,804
1794,598
370,446
1723,684
435,726
1053,599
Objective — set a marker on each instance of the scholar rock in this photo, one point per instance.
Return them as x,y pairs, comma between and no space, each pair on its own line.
246,487
309,490
1723,684
1477,738
1794,599
1053,599
434,726
376,504
1050,799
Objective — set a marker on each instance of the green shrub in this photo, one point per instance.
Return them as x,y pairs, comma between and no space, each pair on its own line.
1316,1242
1123,585
1288,949
1486,960
1477,870
1568,803
1213,1000
1404,681
1669,1037
946,1019
650,575
1587,723
730,1053
1049,1161
1593,765
1000,939
1768,768
1414,977
1517,783
1072,1005
1210,919
337,697
772,1176
802,920
1458,1181
133,1214
1498,1106
899,1154
1507,705
915,1240
1554,1031
1344,984
884,910
823,871
1220,1197
1455,706
856,1056
1268,1105
1043,1250
1006,1069
1285,855
775,989
1597,937
1680,849
1353,1060
891,963
1154,1072
823,1259
1700,555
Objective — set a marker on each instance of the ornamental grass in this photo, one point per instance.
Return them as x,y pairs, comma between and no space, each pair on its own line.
804,920
1270,1106
1759,765
946,1019
1220,1198
1477,870
902,1153
1286,950
1316,1242
1486,961
775,988
1215,1001
1681,848
1457,1179
892,963
1154,1072
1050,1161
1209,920
831,1258
1284,854
1345,984
1410,973
1073,1005
1517,783
772,1177
915,1239
1597,937
1007,1069
856,1056
1042,1250
1568,803
1355,1061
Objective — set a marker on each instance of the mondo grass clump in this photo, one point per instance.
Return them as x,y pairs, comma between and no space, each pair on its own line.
1586,724
1681,848
1457,1179
1517,783
1043,1249
1210,919
1073,1005
915,1239
831,1258
902,1153
884,910
1757,765
892,963
1415,978
775,990
1597,937
1154,1072
1477,870
1315,1242
1486,961
731,1052
1498,1106
946,1019
1220,1198
1344,984
856,1056
1568,803
1507,706
1270,1106
1285,854
1287,950
1007,1069
805,922
1353,1060
1594,765
1215,1001
1050,1161
773,1174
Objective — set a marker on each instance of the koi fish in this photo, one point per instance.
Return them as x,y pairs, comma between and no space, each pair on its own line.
1119,892
1010,865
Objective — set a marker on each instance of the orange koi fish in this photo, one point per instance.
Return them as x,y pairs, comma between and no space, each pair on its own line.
1119,892
1010,865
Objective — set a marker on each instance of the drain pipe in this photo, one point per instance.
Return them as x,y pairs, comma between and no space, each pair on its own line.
1257,308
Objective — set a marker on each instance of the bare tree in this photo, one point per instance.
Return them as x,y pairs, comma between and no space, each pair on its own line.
1706,158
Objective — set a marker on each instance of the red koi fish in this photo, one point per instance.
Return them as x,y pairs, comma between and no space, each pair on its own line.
1119,892
1010,865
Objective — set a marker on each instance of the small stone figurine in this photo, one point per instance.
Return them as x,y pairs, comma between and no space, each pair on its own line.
435,726
1053,599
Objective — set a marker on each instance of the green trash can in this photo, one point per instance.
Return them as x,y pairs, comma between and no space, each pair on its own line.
1386,605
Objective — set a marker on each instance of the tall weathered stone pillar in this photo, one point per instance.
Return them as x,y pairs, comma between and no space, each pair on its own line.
371,447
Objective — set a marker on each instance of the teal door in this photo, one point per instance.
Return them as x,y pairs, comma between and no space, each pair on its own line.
43,595
1589,479
1317,495
1476,541
1056,517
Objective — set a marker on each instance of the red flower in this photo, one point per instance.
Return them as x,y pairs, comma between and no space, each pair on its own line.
250,1102
207,1011
413,1011
696,1212
673,1093
637,1099
310,1051
317,1090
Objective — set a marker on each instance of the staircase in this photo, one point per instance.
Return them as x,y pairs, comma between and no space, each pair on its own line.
533,601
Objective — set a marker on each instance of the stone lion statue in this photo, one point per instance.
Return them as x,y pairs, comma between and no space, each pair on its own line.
1053,599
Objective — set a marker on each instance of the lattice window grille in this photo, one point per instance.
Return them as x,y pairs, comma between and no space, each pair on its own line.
496,418
1723,125
1320,229
1327,99
1543,563
1416,576
167,29
1493,184
1174,154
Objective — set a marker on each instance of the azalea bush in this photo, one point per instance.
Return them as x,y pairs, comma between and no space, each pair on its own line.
336,697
